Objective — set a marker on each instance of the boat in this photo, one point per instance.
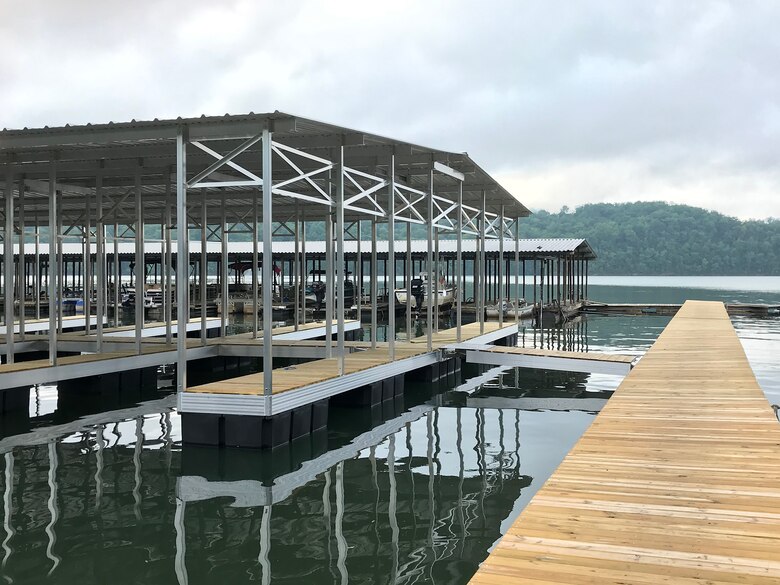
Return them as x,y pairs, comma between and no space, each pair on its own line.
152,298
499,309
444,294
510,310
316,286
520,310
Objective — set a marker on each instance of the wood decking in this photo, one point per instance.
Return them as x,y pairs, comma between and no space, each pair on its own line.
301,375
677,480
308,373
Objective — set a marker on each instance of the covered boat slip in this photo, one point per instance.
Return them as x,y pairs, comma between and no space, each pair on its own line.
676,481
266,176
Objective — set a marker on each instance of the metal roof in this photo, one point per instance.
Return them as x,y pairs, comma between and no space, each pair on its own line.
119,151
528,247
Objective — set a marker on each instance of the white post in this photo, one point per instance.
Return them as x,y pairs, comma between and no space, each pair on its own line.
482,265
204,265
391,259
140,268
517,270
460,284
340,261
53,276
100,261
297,273
8,260
224,270
167,287
374,284
330,282
409,277
255,261
429,263
500,298
301,289
86,259
22,281
182,261
268,277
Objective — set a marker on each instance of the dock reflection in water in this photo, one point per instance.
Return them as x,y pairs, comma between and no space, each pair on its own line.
419,498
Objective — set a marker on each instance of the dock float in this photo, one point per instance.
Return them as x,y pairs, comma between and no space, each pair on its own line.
676,481
548,359
235,411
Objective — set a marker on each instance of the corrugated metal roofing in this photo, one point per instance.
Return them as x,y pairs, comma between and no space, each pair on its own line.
528,247
117,147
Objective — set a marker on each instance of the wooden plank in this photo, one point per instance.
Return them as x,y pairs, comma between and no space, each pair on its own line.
676,481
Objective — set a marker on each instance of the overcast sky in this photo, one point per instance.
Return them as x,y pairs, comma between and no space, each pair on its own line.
564,103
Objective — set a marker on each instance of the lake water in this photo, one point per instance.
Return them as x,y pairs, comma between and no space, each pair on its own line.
412,493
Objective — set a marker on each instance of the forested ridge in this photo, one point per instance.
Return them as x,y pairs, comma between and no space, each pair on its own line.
657,238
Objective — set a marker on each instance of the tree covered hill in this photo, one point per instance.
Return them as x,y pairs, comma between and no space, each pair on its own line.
661,239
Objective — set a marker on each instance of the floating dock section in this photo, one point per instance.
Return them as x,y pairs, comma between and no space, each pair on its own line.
677,480
238,412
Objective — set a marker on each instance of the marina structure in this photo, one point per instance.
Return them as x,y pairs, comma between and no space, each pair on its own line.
266,177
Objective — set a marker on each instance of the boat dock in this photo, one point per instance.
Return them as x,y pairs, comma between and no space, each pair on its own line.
239,412
676,481
249,209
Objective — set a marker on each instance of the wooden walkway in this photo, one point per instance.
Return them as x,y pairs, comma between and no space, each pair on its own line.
302,375
677,480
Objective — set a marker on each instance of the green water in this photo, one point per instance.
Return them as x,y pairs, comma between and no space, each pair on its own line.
408,493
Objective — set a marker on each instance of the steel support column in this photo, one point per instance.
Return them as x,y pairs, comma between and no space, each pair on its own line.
301,290
408,283
517,270
22,280
268,277
459,280
340,261
182,260
53,275
8,266
429,264
391,258
500,299
167,284
140,264
330,283
482,286
297,273
224,270
100,261
374,283
204,265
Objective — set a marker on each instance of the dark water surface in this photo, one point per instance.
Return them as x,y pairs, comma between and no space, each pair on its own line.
412,493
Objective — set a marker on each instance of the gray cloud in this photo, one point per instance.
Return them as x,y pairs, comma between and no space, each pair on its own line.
565,102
